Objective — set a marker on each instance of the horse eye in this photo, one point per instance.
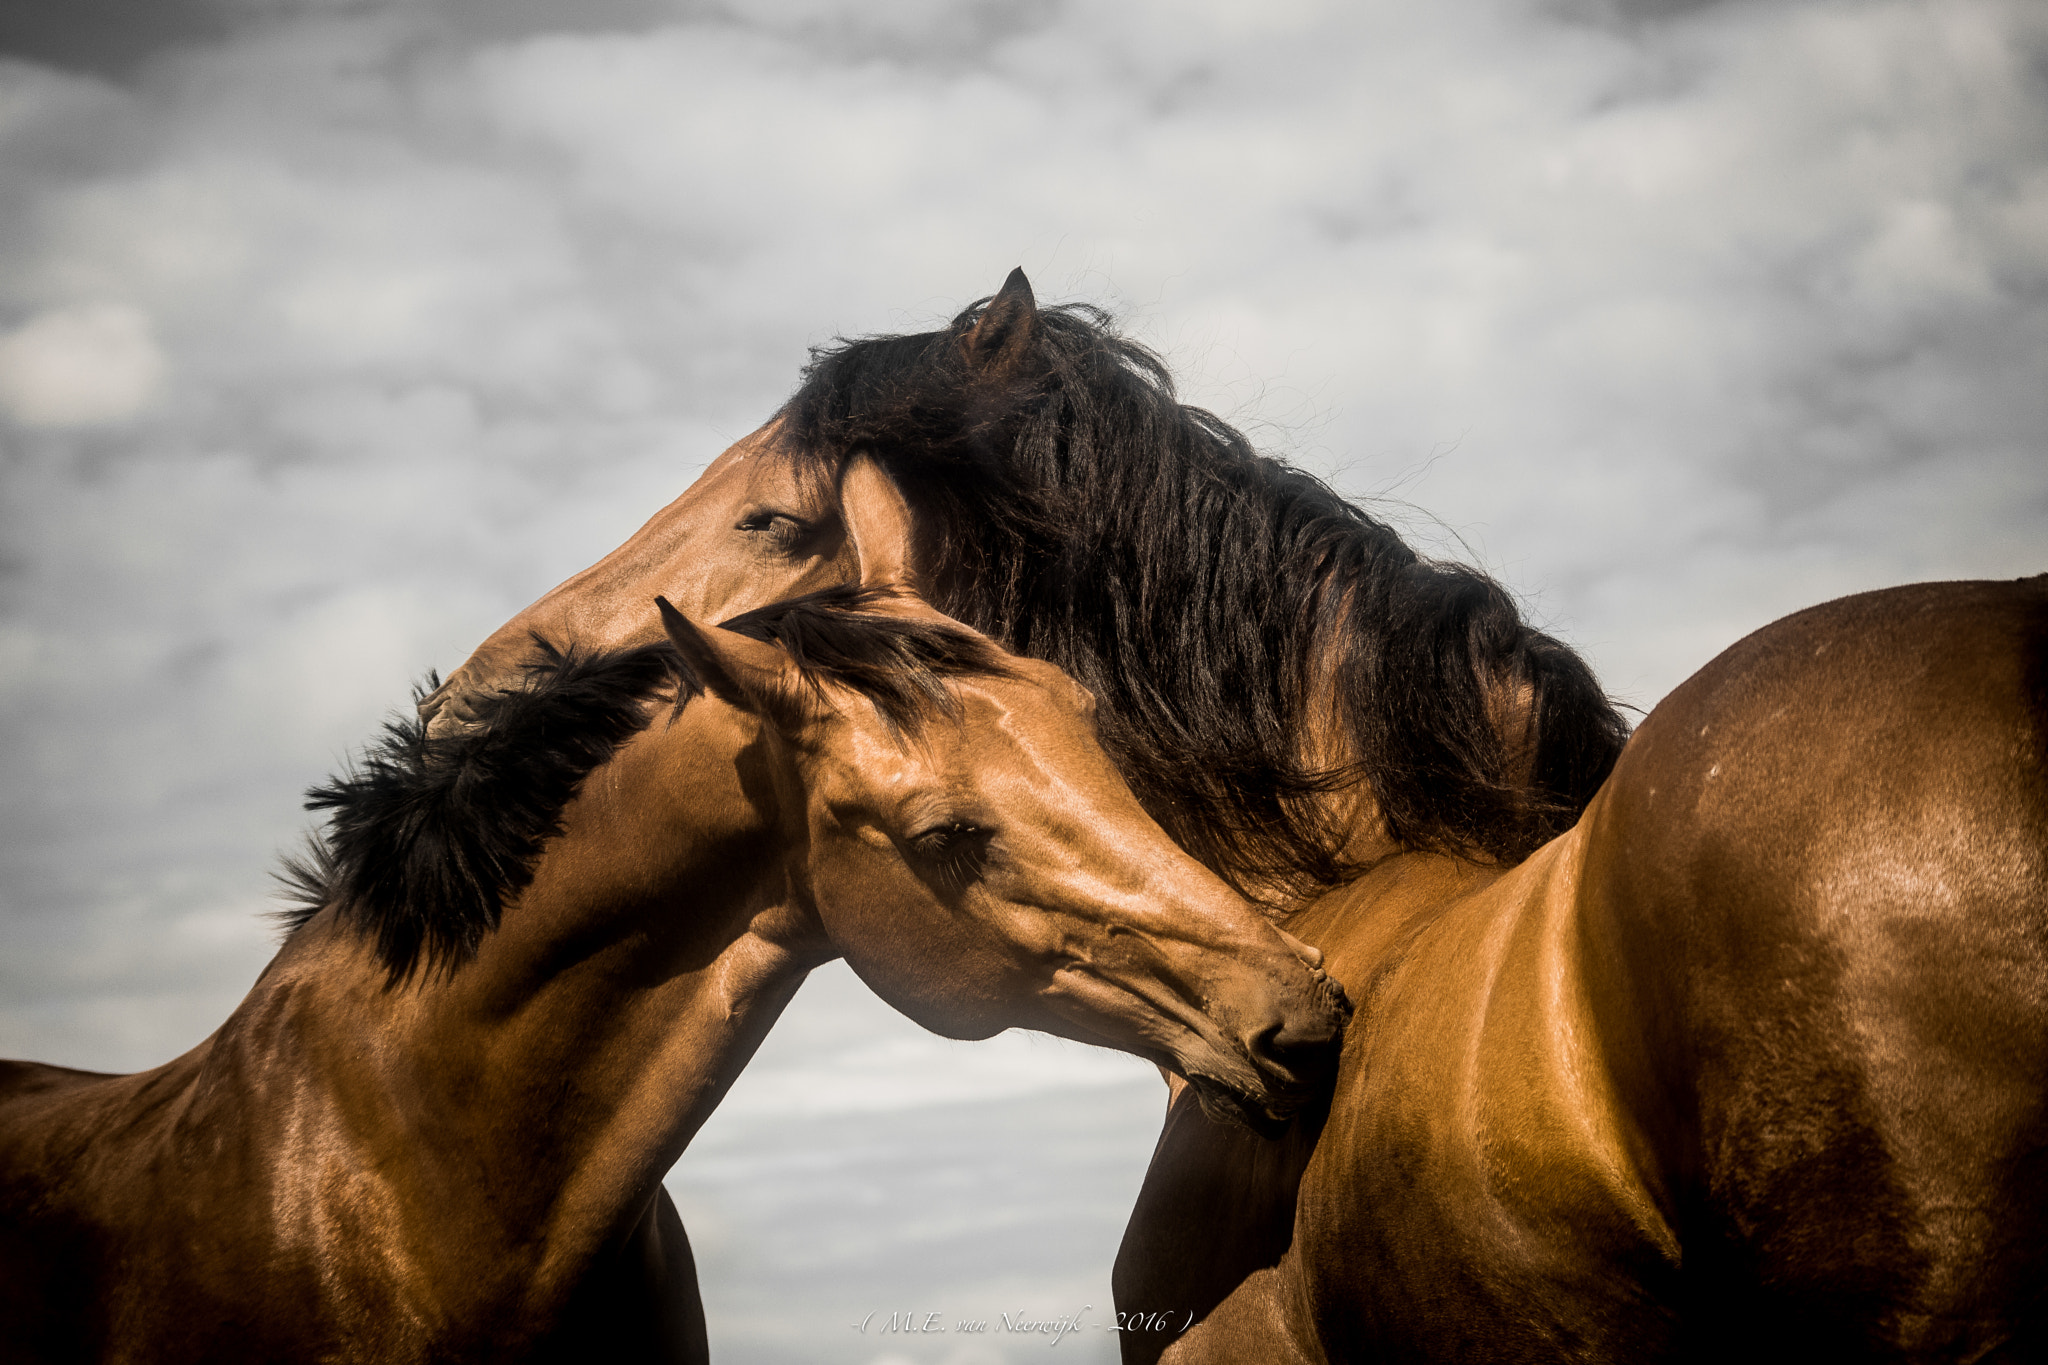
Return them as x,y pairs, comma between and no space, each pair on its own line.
936,841
956,852
781,530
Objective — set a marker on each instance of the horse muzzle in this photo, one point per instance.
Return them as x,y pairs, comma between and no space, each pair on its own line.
1292,1061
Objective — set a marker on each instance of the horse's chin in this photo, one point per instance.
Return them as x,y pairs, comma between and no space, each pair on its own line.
1228,1105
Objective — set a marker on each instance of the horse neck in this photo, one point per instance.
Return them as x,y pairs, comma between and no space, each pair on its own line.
554,1077
1347,809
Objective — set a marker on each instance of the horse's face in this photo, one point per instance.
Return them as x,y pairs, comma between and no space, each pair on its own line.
991,870
753,529
996,872
756,527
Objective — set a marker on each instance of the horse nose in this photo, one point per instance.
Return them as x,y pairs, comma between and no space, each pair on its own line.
1303,1045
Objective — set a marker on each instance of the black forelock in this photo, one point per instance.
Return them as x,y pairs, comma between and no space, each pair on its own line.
1078,512
898,663
427,838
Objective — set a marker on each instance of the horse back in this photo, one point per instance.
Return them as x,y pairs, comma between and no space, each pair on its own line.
1816,914
112,1217
43,1294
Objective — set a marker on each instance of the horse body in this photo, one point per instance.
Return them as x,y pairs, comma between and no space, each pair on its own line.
1825,861
1473,1191
345,1171
1753,1062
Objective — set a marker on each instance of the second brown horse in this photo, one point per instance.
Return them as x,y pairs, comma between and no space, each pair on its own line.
1750,1064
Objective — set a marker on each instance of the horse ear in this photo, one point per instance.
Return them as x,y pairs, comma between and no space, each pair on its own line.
1005,336
745,673
878,523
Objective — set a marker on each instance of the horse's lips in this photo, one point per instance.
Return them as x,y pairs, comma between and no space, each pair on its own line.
1274,1093
1323,1054
1287,1090
1225,1104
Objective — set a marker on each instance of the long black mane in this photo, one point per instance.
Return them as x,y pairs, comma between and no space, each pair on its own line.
1083,515
428,838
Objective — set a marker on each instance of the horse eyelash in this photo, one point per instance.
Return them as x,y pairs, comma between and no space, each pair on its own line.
957,852
781,529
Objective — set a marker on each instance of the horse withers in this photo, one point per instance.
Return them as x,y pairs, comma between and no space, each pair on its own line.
535,952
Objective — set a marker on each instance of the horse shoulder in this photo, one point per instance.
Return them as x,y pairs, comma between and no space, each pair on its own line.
1208,1269
1478,1189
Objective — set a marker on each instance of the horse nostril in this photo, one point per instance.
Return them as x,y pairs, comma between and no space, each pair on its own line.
1303,1053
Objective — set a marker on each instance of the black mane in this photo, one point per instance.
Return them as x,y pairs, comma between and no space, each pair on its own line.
1083,515
427,838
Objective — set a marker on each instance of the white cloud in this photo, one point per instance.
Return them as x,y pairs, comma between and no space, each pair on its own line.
86,365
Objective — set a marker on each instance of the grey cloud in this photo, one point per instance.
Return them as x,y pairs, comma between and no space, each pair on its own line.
118,38
106,37
1626,14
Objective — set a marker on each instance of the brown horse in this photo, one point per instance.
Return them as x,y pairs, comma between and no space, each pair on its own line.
534,954
1752,1059
1750,1064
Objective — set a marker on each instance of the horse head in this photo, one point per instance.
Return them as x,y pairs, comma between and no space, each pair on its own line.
970,850
756,527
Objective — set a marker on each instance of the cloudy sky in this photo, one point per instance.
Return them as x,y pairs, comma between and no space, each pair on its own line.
334,331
